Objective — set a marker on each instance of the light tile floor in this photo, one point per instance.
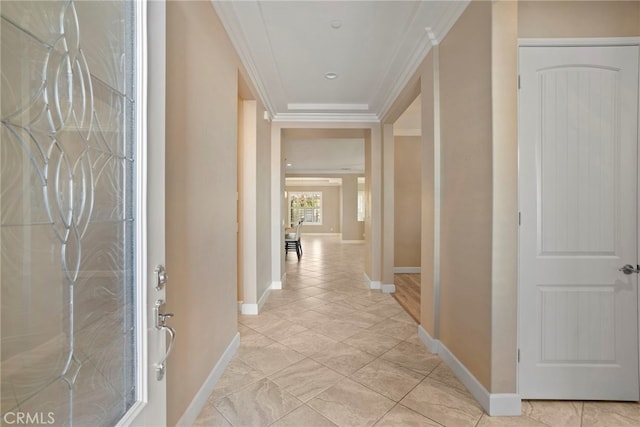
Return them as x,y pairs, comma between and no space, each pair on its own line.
328,351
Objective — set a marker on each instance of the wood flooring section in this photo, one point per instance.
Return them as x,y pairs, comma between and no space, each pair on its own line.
408,293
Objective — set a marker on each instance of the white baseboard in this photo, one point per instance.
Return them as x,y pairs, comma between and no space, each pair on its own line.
372,284
250,309
427,340
407,270
505,405
200,399
240,307
264,298
495,404
388,289
276,285
254,309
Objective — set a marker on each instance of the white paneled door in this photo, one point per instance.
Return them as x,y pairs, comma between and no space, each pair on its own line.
578,197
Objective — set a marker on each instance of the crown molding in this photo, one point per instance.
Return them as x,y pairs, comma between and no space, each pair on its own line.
432,36
326,117
453,10
227,15
396,78
329,107
405,75
320,172
586,41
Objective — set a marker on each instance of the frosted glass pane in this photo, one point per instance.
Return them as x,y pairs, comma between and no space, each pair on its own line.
66,210
104,42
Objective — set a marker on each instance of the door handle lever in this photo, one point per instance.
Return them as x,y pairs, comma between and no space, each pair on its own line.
629,269
160,320
161,366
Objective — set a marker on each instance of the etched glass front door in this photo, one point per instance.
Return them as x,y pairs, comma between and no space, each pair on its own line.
67,206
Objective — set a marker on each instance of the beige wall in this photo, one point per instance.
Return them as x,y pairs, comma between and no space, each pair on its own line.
351,228
427,252
578,18
504,255
247,215
201,125
240,203
368,235
407,217
331,202
263,202
466,214
254,234
388,206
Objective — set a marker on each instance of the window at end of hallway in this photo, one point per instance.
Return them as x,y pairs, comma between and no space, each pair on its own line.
360,205
306,206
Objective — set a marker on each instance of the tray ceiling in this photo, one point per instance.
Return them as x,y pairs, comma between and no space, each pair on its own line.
291,49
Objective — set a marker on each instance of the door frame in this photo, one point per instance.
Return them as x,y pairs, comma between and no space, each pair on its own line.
571,42
151,404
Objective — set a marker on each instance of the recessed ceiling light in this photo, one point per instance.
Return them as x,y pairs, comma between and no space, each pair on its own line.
331,76
289,164
336,23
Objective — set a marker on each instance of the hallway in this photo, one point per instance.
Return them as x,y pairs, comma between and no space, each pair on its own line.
328,351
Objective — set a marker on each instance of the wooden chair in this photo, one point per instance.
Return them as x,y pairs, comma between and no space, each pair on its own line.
292,241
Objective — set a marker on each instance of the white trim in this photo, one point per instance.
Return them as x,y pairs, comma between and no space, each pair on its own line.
437,196
505,405
240,307
328,107
325,117
407,270
253,309
263,299
388,289
306,181
200,399
249,309
276,285
373,284
432,344
142,260
422,47
608,41
495,404
228,17
292,170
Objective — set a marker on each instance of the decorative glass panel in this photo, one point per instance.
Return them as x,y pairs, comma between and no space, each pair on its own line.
67,193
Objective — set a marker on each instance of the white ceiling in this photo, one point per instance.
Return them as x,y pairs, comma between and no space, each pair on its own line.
324,155
287,48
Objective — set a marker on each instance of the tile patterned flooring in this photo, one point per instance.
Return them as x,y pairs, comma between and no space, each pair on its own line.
328,351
